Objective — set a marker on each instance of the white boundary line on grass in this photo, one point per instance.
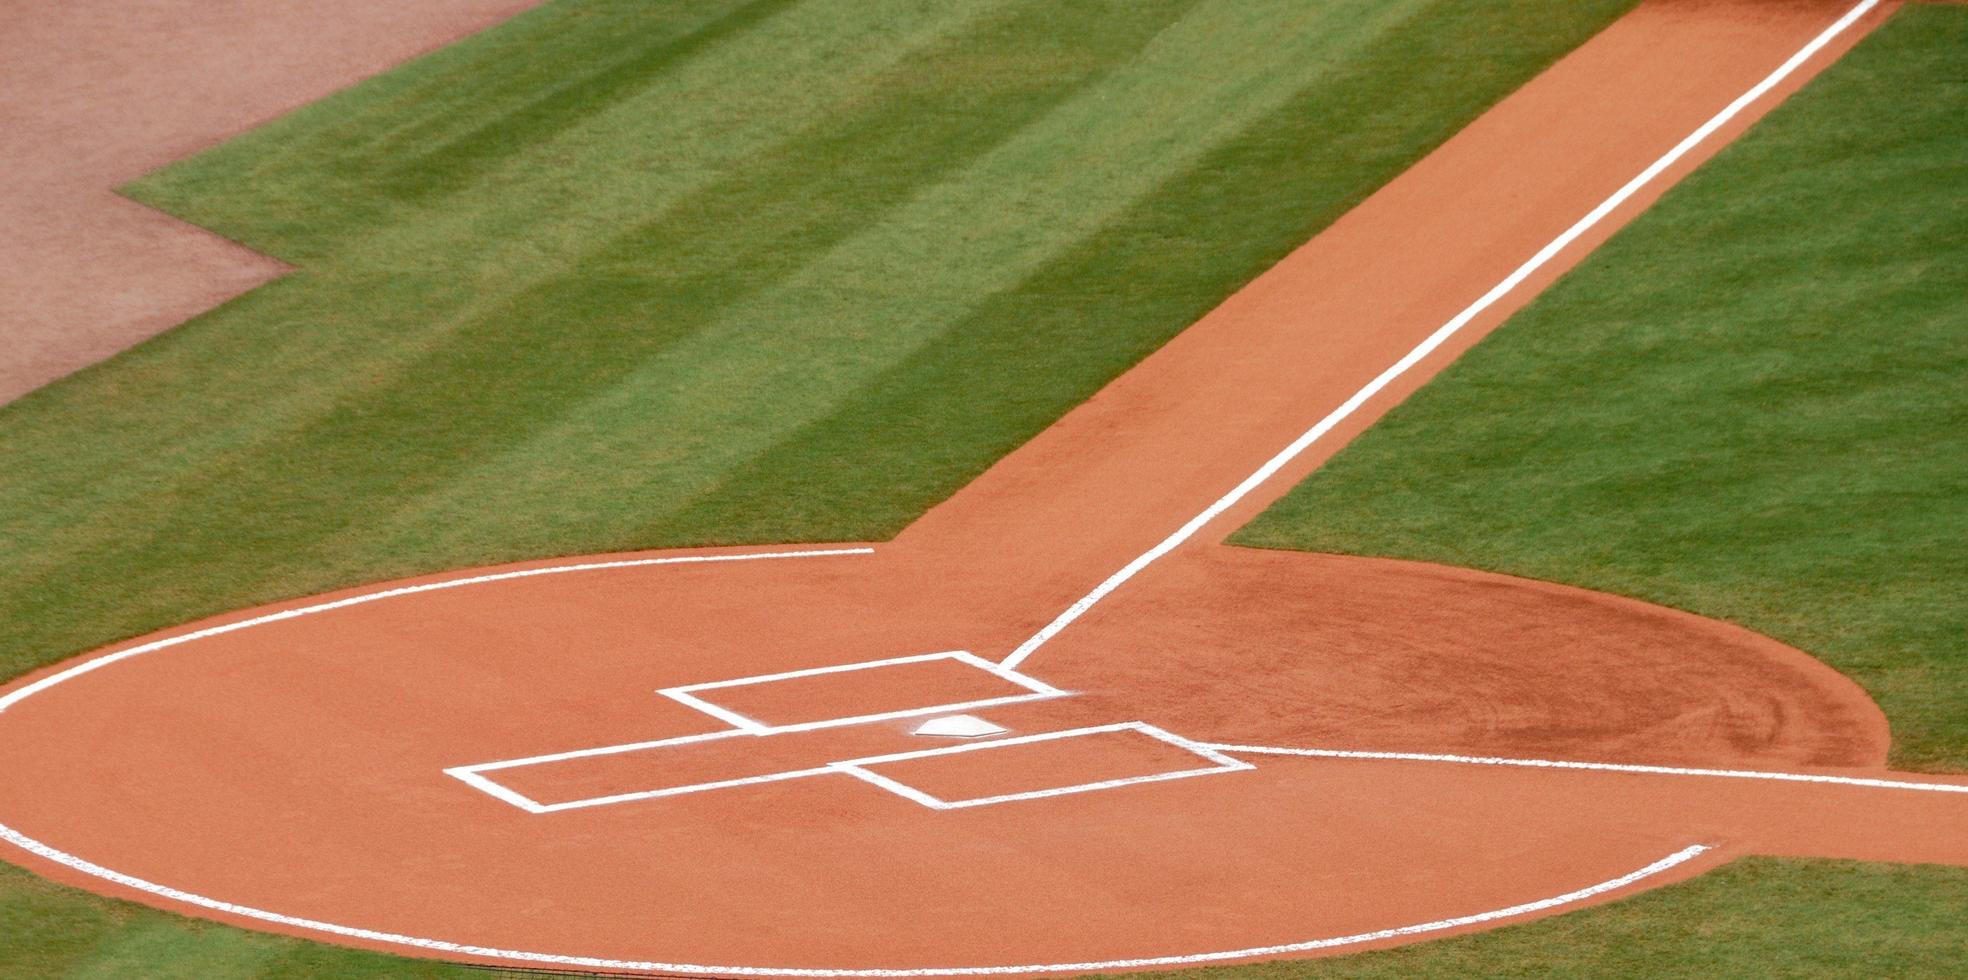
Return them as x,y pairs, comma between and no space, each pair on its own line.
1480,760
20,840
26,691
1439,337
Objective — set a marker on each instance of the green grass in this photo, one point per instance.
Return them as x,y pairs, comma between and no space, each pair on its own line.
54,932
1752,403
1755,917
620,275
48,931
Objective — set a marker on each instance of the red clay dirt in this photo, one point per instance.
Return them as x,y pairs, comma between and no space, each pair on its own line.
94,93
290,773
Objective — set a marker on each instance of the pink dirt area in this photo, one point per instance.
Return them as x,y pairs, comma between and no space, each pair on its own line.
94,93
1376,654
1381,751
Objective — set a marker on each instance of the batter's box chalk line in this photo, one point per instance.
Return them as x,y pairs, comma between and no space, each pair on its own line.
701,697
1218,762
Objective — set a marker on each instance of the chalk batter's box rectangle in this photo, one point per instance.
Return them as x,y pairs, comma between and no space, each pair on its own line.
851,694
1028,767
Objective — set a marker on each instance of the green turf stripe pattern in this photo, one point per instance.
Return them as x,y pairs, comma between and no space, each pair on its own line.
644,289
1030,350
1752,404
1754,917
289,352
566,351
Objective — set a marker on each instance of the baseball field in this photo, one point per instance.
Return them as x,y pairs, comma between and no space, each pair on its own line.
1485,479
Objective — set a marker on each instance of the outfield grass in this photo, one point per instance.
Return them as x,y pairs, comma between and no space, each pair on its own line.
48,932
1756,917
621,275
1752,403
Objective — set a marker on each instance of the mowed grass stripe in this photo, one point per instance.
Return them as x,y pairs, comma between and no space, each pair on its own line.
818,340
1755,917
678,74
418,163
641,289
491,380
1752,404
287,353
266,451
323,173
1023,355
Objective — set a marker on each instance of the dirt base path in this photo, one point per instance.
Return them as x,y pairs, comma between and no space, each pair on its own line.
707,762
94,93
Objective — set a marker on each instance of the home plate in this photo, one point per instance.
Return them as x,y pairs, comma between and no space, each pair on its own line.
959,726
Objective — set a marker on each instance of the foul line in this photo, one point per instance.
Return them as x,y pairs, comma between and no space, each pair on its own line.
1440,336
1480,760
78,670
31,845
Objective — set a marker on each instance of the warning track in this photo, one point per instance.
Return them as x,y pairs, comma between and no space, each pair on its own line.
1213,754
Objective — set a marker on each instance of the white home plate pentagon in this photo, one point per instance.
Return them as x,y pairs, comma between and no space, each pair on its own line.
959,726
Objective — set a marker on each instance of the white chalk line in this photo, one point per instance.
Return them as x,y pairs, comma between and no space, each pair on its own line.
22,693
742,725
1478,760
737,721
1218,763
961,656
46,852
595,801
687,693
811,726
1439,337
496,790
662,743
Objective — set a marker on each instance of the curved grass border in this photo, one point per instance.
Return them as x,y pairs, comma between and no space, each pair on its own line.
1751,404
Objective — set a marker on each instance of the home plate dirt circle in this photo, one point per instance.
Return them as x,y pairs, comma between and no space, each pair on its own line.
298,766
